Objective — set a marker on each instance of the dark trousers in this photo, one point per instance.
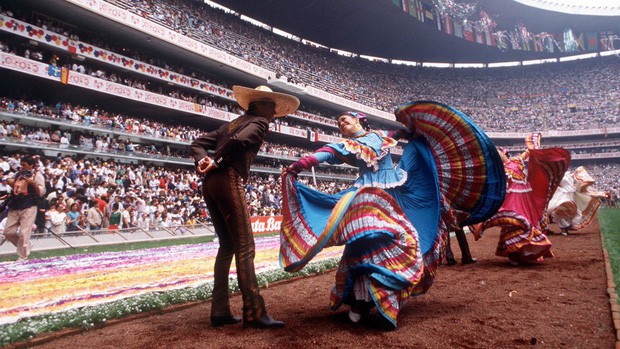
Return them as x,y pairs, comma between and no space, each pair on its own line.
464,246
224,195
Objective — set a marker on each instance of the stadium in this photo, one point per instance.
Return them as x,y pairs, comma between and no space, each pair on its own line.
108,96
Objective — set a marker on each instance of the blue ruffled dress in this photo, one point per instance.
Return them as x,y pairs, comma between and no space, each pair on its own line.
392,220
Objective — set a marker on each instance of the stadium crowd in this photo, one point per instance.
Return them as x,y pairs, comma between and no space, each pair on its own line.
105,121
146,196
80,115
564,96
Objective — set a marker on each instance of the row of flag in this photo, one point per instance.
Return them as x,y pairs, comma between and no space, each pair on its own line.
514,39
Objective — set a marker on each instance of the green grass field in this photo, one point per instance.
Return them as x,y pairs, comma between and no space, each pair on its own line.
609,219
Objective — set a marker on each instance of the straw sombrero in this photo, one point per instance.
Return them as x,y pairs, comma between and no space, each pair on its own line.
285,104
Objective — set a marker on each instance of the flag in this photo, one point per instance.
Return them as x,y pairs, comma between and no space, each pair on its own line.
514,42
413,10
607,41
490,39
526,41
458,29
500,38
405,6
479,36
420,10
468,32
580,40
53,70
64,75
438,19
591,42
448,26
548,43
429,16
537,43
541,43
313,136
559,41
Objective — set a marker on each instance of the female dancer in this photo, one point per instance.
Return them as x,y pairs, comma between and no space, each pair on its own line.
392,222
529,191
575,203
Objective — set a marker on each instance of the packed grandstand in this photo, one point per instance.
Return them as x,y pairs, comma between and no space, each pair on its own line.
111,116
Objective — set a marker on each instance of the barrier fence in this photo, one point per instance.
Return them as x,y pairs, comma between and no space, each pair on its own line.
261,225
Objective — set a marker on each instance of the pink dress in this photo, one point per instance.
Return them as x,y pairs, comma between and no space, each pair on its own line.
524,209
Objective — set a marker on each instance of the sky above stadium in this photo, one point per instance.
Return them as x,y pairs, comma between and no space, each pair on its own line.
578,7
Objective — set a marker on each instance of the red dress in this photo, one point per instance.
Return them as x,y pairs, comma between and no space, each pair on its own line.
527,197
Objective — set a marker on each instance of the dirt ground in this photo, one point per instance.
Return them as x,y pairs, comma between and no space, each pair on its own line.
559,303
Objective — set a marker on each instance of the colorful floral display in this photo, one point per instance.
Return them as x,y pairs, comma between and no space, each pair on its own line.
60,284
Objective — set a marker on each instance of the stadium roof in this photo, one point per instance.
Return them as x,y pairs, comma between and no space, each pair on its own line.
380,29
578,7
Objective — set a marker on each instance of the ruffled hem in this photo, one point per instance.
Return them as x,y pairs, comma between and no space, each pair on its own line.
379,241
517,235
526,246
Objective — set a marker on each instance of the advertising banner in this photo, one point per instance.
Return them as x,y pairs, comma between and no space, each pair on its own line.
262,225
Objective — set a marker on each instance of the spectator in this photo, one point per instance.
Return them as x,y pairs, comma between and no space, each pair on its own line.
27,185
115,217
58,218
94,217
73,218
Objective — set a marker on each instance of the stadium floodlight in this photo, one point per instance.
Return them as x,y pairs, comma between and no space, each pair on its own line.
609,53
285,34
375,59
549,60
220,7
469,65
437,65
576,57
503,64
343,53
540,61
255,22
410,63
313,44
532,62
